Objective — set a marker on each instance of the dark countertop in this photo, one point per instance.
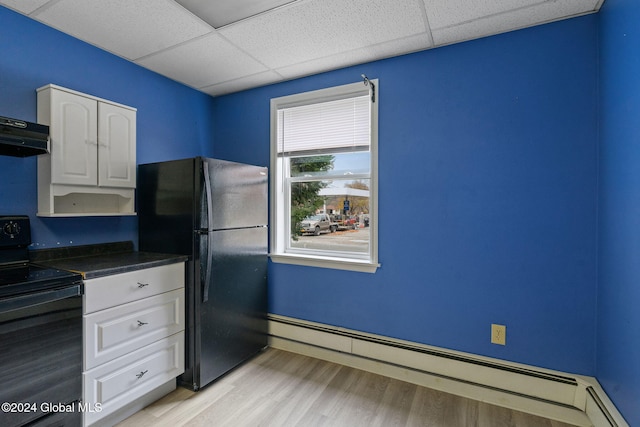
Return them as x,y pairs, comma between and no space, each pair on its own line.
103,259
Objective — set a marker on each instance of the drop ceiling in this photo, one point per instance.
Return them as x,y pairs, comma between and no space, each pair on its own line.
241,44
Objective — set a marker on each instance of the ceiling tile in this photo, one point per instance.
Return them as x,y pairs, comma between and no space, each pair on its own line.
308,30
202,62
519,18
131,29
243,83
357,56
224,12
402,46
332,62
24,6
443,13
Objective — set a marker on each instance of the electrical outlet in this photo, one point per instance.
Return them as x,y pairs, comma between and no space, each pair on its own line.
498,334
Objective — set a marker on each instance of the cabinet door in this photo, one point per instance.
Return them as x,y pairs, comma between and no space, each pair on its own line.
74,146
116,146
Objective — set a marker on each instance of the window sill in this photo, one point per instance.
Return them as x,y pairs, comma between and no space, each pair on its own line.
325,262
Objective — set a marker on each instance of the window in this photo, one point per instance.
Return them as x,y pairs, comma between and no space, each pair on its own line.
324,178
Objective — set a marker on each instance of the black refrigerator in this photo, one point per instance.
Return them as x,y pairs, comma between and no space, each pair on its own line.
214,211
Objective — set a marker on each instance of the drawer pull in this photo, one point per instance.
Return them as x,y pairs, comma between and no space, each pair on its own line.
141,374
141,323
142,285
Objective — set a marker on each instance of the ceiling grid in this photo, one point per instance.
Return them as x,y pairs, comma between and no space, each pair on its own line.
232,45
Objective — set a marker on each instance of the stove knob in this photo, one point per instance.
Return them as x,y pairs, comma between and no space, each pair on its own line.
11,228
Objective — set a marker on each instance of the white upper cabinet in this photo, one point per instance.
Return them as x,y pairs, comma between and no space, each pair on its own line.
91,169
74,133
116,146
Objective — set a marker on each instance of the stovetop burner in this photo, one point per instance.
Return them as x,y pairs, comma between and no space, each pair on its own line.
17,275
29,278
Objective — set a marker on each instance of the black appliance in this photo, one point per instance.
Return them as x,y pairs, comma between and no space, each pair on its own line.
40,335
215,212
19,138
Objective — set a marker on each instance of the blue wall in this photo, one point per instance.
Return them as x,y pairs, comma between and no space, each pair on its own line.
488,197
34,55
488,185
618,357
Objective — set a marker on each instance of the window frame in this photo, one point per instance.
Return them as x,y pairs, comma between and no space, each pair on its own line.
279,231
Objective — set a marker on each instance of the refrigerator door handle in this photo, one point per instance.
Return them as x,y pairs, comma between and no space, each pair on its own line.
207,187
207,273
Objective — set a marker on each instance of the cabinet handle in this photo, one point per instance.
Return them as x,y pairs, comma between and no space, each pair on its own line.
142,285
140,323
141,374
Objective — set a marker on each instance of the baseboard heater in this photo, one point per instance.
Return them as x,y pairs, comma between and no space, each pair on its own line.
568,398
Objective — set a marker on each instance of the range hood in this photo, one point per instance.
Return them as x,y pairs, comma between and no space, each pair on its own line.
21,139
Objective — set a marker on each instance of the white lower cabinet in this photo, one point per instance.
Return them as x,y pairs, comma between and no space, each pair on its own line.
117,383
133,344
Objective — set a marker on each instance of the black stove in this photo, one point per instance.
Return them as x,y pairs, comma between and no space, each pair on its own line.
40,334
17,275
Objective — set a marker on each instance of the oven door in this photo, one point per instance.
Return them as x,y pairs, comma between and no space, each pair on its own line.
41,358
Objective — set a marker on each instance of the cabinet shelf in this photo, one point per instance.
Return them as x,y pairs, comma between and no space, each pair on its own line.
69,200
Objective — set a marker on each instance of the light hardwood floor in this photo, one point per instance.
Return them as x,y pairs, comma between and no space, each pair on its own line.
282,389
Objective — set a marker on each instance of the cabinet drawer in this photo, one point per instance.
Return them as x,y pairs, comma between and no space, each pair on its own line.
119,382
109,291
116,331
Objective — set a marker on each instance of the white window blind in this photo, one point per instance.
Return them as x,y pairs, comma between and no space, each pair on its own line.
327,127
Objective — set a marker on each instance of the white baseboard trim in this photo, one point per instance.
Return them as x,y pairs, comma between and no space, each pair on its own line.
568,398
